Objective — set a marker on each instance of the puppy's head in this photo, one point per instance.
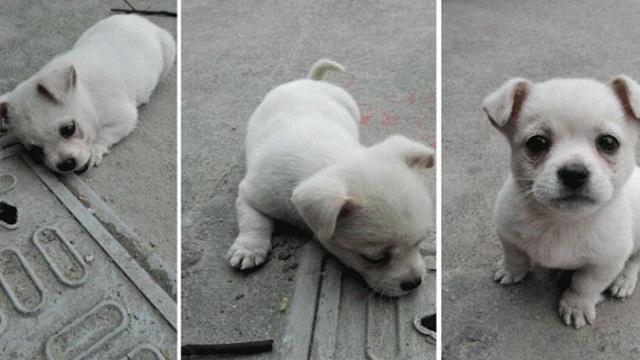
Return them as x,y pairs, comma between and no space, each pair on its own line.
372,212
46,115
572,140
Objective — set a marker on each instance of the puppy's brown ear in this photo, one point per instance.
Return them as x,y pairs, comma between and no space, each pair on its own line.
416,155
57,85
504,105
628,93
320,201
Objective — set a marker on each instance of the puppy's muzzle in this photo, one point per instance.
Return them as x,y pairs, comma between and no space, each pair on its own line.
83,168
573,176
66,165
410,285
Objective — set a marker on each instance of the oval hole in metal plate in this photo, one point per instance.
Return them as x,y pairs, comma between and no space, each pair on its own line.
88,332
7,182
8,215
20,283
426,325
144,352
63,259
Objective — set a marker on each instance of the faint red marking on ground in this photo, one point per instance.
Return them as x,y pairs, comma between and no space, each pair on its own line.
364,119
431,138
411,99
421,124
364,109
349,84
389,119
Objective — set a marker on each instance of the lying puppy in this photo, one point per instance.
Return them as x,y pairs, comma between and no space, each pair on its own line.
367,206
573,198
86,100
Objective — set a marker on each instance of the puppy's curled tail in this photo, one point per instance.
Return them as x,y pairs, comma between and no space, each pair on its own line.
323,66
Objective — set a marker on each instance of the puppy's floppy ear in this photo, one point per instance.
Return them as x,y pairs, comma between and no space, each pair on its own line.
416,155
503,106
320,201
58,84
628,93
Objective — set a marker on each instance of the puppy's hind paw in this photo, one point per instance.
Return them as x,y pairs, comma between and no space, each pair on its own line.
506,277
242,256
624,285
576,310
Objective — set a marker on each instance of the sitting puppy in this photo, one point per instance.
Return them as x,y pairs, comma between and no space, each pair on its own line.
86,100
305,165
573,198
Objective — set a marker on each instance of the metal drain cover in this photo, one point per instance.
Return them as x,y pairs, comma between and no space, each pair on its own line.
335,317
68,288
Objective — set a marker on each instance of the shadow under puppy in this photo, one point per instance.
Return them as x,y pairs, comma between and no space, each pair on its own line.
572,200
367,206
83,101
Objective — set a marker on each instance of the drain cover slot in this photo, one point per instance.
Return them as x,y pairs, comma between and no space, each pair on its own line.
20,282
88,332
8,215
144,352
63,259
54,304
7,182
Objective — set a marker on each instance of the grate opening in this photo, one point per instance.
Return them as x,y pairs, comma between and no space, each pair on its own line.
8,214
429,322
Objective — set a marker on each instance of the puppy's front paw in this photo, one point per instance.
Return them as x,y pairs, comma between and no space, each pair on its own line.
97,152
507,277
246,253
624,285
577,310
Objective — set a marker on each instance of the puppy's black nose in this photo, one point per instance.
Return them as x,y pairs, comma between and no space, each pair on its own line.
410,285
67,165
573,176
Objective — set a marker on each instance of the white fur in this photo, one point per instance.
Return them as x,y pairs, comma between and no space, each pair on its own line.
306,166
99,84
536,223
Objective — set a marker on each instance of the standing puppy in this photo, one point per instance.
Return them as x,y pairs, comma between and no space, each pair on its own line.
573,198
85,100
305,165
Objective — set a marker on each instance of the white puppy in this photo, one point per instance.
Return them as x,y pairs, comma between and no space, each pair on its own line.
573,198
85,100
367,206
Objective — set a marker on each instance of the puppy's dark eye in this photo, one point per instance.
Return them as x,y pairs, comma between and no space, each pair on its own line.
378,260
67,130
608,144
538,144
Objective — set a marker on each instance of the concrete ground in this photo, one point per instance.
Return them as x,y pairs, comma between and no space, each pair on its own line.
138,178
233,54
484,44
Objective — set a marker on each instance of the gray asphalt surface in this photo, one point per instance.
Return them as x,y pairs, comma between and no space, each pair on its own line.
484,44
233,54
138,178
